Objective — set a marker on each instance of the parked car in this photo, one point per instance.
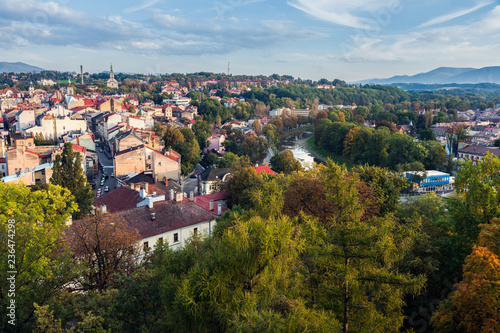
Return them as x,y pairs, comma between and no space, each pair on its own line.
102,182
106,188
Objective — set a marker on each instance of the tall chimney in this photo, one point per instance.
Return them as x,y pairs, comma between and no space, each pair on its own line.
211,205
171,197
81,70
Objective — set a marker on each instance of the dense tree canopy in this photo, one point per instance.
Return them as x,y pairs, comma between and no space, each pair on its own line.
68,172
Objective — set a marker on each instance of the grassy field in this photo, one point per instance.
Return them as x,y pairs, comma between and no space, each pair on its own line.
324,155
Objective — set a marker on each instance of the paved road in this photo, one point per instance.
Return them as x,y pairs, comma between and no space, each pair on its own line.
111,182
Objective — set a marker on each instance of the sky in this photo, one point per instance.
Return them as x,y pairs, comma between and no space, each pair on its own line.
311,39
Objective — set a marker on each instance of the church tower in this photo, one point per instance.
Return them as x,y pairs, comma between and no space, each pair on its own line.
112,83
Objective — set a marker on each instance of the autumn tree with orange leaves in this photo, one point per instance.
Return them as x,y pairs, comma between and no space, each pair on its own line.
475,305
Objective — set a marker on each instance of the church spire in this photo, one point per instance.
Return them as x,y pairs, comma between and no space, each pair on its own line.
111,68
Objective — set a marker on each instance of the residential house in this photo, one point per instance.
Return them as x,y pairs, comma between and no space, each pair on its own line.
126,141
215,142
40,173
130,161
24,120
21,140
138,159
212,179
476,152
106,122
171,218
52,128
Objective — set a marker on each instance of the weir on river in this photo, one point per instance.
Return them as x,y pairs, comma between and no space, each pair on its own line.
297,145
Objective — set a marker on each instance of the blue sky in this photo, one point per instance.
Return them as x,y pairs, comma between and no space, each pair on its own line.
311,39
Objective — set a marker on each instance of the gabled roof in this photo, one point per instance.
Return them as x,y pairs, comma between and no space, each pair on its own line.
122,198
214,174
479,150
170,216
79,148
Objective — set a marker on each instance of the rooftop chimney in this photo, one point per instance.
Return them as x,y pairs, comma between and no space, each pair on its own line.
171,197
219,209
191,196
211,205
145,185
178,197
104,209
153,216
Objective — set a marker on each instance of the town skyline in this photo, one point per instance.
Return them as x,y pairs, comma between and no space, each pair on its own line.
331,39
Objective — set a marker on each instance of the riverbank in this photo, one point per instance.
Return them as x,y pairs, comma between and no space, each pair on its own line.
323,155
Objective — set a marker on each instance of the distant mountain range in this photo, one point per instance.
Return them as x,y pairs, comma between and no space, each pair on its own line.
18,67
444,75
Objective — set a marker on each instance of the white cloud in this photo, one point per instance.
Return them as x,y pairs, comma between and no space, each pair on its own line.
350,13
144,5
451,16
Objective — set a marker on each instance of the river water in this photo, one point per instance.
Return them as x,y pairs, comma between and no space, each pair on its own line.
297,145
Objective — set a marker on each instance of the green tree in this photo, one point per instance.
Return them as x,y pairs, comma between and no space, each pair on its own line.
435,157
158,129
202,129
285,162
255,148
31,236
189,150
172,136
210,158
68,173
241,185
357,260
228,160
218,121
404,150
427,134
476,202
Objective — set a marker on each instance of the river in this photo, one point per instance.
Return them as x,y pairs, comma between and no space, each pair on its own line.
297,145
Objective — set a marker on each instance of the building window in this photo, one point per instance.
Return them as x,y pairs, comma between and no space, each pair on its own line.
176,238
195,231
159,163
149,157
146,246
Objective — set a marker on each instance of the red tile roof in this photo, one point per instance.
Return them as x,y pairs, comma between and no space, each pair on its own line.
79,148
123,198
204,200
264,168
170,215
